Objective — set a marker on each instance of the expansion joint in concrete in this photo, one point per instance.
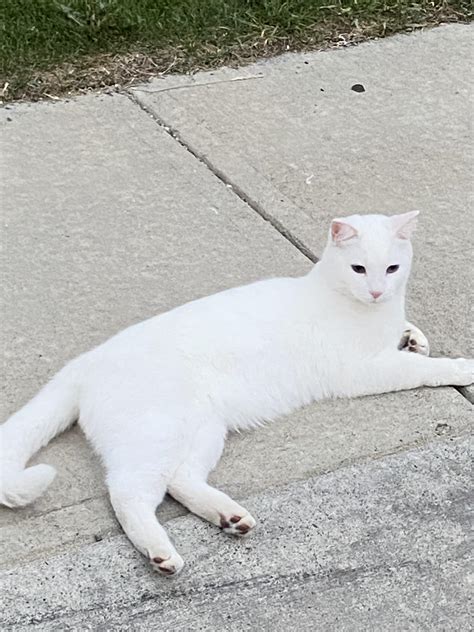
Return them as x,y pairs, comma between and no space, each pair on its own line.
247,199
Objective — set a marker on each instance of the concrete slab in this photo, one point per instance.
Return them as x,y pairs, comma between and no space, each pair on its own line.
384,545
304,147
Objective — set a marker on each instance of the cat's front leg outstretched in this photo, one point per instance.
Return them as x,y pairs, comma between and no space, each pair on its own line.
395,371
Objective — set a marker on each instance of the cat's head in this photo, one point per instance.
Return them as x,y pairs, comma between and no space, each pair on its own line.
370,256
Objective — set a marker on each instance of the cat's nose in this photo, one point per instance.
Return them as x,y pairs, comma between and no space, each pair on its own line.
376,294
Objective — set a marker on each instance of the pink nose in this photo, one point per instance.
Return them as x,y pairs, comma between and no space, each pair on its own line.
376,294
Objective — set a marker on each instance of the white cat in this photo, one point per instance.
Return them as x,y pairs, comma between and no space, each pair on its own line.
158,399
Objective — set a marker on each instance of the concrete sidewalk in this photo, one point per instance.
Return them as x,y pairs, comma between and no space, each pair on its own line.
378,546
117,207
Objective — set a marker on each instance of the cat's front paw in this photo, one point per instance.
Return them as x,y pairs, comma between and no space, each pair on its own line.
237,525
463,372
414,341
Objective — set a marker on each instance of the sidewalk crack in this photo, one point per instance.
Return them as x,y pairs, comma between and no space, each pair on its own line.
466,393
241,194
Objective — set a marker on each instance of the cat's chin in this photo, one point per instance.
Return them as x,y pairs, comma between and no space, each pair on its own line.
372,302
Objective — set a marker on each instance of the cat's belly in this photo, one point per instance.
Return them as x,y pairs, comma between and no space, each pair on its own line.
245,396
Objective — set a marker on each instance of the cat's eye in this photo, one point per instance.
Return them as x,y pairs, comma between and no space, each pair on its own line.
358,269
392,269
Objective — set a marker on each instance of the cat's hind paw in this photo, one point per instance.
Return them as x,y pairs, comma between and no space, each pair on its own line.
414,341
167,566
238,525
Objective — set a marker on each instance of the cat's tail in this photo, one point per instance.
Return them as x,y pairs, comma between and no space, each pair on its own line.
50,412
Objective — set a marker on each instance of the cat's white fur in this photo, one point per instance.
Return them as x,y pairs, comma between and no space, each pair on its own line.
158,399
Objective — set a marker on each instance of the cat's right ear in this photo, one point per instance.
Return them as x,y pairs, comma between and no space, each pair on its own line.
404,224
341,231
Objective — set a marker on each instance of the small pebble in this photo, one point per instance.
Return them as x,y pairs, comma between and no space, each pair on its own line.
358,87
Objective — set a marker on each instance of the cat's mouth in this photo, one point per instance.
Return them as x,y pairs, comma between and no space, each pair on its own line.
370,300
377,301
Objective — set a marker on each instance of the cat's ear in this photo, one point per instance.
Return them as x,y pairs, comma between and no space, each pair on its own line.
341,231
404,224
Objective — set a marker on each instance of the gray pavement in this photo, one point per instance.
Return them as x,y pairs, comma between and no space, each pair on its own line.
118,207
382,545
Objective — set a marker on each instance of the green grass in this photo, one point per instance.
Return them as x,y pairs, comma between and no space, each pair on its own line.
55,46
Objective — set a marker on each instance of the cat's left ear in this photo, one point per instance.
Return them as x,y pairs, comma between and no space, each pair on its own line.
404,224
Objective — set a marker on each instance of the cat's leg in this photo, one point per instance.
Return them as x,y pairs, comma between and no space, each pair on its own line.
414,340
395,371
209,503
189,486
135,498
